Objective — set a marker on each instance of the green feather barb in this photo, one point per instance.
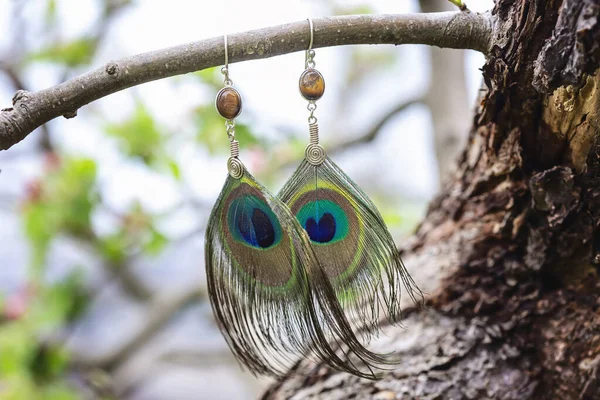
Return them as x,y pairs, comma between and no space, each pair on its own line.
351,242
270,296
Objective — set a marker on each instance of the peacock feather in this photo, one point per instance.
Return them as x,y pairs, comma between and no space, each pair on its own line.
350,240
271,297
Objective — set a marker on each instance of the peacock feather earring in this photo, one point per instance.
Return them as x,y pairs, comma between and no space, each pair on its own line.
269,294
347,232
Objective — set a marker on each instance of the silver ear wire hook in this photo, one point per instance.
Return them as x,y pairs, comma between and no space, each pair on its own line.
226,51
225,69
310,53
312,30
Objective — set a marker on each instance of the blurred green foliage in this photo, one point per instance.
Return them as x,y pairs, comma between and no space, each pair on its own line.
60,203
137,232
70,54
36,320
139,136
32,359
211,131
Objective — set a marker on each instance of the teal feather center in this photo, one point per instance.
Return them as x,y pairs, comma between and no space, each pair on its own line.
252,222
325,221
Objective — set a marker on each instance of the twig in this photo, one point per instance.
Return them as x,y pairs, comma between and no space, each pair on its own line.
449,29
366,138
44,144
460,4
118,271
160,310
111,11
133,374
198,359
375,129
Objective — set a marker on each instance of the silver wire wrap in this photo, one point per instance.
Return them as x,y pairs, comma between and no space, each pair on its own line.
314,152
313,130
234,166
234,145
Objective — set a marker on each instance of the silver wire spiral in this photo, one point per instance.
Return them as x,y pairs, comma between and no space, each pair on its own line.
235,167
314,154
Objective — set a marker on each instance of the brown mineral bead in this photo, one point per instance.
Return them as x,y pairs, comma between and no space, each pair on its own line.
229,103
312,84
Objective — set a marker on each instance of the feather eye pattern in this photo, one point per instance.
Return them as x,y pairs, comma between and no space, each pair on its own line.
351,241
269,294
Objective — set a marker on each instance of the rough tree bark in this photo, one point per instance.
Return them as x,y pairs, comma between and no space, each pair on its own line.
514,236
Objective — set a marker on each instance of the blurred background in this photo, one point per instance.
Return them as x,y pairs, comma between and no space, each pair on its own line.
102,217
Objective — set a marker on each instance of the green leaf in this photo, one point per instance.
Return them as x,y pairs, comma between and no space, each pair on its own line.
59,391
64,202
75,53
75,190
245,136
211,129
18,387
174,168
211,76
41,225
16,344
212,133
139,136
49,363
459,3
50,15
355,9
63,301
114,248
156,243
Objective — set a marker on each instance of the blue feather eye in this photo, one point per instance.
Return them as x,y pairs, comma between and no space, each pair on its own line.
252,222
322,231
258,231
324,221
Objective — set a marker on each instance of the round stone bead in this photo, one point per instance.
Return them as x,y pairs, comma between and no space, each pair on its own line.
229,103
312,84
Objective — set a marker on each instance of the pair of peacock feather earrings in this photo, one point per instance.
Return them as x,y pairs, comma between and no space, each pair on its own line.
295,274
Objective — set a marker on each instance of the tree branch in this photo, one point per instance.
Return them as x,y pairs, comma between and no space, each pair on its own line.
160,310
372,134
450,29
44,144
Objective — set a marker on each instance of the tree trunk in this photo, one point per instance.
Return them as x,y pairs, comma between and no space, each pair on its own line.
447,98
509,250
